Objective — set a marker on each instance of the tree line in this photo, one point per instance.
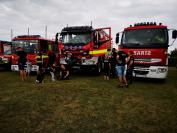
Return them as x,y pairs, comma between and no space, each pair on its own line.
172,61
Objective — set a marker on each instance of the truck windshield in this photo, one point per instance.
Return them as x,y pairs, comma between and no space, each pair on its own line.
76,38
29,46
7,49
146,37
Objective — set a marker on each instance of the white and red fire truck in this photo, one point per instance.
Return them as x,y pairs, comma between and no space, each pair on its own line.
86,45
150,43
5,54
32,44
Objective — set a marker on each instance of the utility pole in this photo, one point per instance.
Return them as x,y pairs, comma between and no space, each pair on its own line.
91,23
11,34
28,31
46,32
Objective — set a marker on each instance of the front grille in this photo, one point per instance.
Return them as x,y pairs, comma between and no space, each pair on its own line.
141,72
142,59
142,66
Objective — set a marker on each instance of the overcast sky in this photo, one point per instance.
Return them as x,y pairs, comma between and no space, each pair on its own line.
18,15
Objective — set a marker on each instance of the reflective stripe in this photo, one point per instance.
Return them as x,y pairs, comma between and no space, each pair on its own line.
41,60
43,56
102,51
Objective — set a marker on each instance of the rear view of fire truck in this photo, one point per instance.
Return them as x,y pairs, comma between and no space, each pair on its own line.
149,42
85,45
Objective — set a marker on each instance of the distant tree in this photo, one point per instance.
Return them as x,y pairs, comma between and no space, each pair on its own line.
173,58
173,53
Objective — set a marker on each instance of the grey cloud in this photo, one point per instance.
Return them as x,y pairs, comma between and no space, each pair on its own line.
36,14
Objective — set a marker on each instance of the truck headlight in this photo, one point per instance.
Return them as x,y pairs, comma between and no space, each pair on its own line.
5,59
161,70
90,62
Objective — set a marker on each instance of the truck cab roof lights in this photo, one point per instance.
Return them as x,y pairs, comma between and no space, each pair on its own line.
151,23
27,36
146,24
77,29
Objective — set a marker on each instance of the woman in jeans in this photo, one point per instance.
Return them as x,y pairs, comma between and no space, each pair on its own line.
120,68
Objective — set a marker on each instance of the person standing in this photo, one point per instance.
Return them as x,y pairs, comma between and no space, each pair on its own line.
40,71
39,60
51,64
57,66
52,58
130,67
113,62
107,65
21,63
120,68
28,67
52,72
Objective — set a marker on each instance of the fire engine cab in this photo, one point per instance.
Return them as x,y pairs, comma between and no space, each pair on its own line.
149,42
32,45
87,46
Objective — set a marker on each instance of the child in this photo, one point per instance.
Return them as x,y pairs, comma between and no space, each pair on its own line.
52,72
64,72
28,67
40,76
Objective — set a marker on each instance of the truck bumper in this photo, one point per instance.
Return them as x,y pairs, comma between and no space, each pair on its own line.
34,68
157,72
14,68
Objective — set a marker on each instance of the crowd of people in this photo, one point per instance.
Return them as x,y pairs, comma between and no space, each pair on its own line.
117,64
54,67
56,70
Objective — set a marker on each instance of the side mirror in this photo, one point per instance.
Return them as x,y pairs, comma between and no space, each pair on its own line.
174,34
96,37
56,38
117,38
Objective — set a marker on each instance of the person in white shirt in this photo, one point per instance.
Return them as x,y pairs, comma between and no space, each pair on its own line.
28,67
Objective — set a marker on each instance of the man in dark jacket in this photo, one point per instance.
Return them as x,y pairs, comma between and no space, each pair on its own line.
130,67
113,62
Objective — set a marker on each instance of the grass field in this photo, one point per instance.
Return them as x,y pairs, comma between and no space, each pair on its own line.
87,104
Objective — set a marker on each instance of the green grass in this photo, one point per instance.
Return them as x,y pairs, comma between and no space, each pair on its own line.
87,104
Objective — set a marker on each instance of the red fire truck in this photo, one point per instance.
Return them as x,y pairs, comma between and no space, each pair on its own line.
32,44
5,54
86,45
149,42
